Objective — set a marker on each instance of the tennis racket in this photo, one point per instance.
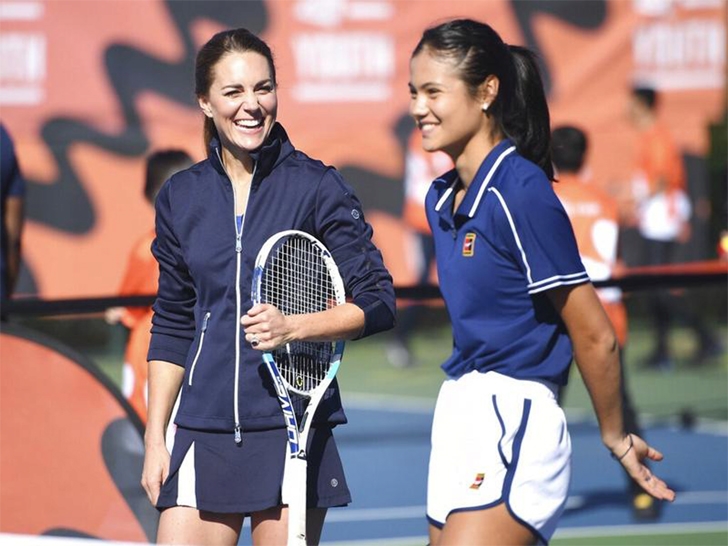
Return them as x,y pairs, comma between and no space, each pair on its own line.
295,273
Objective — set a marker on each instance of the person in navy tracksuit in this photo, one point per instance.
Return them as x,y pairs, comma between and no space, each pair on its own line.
206,373
519,299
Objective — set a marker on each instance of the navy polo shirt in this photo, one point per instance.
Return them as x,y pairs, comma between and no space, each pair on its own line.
509,242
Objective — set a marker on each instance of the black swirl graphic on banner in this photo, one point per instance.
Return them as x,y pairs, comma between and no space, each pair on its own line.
584,14
64,204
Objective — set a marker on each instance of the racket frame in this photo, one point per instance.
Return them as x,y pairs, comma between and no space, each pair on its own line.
295,474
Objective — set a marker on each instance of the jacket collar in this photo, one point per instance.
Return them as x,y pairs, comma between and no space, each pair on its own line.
273,151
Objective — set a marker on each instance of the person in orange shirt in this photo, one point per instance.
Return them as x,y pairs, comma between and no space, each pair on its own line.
140,279
663,212
420,169
594,216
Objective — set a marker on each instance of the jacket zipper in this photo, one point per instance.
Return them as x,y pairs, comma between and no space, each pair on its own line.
238,302
199,346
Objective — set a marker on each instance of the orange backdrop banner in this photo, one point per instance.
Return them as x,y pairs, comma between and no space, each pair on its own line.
89,88
72,448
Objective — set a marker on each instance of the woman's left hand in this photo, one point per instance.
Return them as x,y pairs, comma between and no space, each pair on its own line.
637,451
266,327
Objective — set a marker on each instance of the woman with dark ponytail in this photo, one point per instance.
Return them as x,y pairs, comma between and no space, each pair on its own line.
520,301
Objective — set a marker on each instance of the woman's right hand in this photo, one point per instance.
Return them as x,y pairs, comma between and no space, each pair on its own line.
156,470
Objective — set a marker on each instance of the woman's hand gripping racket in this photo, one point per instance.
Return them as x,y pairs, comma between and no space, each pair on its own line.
295,273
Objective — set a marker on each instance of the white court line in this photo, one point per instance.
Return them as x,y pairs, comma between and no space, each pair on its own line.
10,539
347,515
643,529
401,541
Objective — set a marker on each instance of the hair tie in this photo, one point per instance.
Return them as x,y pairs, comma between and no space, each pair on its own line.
631,445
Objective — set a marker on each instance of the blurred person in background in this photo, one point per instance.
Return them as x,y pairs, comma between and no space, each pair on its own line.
595,218
140,279
420,169
662,214
12,195
519,300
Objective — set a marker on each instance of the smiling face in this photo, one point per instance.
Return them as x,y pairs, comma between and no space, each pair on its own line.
241,101
446,112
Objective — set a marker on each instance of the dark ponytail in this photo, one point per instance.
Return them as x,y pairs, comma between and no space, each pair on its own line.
520,109
527,121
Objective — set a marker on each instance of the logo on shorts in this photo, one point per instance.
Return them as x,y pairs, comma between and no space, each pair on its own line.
469,245
478,481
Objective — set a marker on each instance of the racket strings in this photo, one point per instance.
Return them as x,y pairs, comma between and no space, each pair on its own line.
297,281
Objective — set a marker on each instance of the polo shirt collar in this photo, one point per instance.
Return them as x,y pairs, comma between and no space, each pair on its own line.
482,178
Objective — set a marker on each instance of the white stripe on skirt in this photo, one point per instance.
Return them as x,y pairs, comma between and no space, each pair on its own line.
186,480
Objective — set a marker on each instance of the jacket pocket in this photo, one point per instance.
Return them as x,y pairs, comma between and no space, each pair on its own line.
203,330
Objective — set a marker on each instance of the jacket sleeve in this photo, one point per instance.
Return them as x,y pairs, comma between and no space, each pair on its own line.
341,225
173,324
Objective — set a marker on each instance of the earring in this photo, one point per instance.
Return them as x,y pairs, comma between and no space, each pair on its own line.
485,107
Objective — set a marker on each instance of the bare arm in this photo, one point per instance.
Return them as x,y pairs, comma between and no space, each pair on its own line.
14,218
165,380
273,329
597,356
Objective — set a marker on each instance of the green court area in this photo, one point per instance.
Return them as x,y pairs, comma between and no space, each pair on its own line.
685,391
656,537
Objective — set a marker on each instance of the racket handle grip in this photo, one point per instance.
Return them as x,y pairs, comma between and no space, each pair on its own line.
296,493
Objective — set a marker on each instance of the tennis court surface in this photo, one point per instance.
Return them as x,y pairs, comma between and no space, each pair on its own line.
386,452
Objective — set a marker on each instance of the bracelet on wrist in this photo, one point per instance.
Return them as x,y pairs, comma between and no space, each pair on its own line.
623,455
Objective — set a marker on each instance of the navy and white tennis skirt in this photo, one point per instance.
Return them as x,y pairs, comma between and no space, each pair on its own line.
210,472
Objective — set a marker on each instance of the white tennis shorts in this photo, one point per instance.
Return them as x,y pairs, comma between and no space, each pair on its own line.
497,439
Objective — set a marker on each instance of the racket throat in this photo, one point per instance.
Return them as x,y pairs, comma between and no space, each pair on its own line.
302,424
301,455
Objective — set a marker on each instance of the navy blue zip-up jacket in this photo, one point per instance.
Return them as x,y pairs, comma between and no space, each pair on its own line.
200,298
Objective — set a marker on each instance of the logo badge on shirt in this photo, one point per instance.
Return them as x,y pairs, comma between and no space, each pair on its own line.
469,245
478,481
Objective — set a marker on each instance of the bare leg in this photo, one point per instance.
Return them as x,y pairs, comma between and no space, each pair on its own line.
184,525
434,535
271,526
491,527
